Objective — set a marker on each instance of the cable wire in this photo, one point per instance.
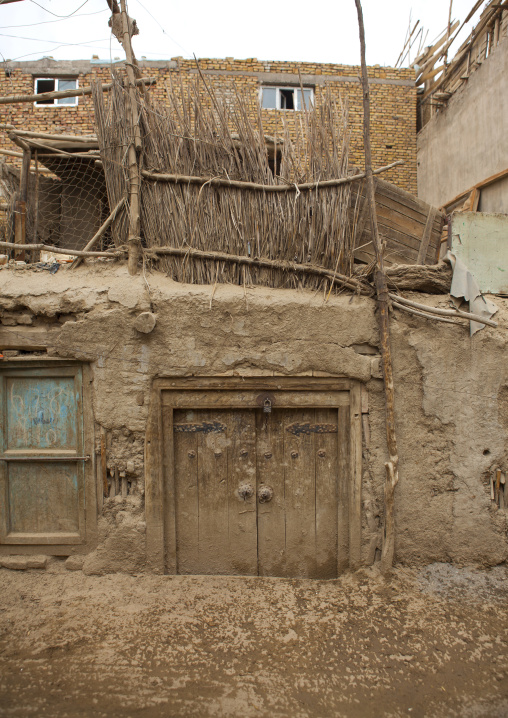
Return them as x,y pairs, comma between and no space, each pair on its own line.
47,22
55,15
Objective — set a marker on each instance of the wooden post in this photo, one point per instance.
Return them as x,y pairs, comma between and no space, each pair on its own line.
20,206
134,144
392,465
35,255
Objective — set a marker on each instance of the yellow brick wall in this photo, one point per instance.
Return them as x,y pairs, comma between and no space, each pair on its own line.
393,106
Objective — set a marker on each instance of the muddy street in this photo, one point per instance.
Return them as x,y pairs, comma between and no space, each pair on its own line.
433,643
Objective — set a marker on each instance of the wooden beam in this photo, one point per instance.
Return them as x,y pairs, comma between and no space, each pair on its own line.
41,96
100,232
29,338
383,301
239,184
58,250
133,238
281,264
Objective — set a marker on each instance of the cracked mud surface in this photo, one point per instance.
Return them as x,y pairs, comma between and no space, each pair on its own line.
428,643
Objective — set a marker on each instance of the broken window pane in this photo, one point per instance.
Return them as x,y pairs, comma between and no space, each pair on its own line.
269,101
287,99
45,85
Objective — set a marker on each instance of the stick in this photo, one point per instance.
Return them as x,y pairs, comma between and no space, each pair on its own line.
265,263
218,182
58,250
443,312
104,467
67,93
391,466
422,314
100,232
46,136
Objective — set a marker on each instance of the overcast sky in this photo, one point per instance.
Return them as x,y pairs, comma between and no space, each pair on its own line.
319,31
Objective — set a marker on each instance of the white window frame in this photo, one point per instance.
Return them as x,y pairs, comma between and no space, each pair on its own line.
278,88
56,102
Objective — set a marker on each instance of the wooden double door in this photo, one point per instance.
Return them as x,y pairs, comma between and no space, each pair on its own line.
260,489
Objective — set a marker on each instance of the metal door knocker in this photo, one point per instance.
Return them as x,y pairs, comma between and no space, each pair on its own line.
265,494
245,491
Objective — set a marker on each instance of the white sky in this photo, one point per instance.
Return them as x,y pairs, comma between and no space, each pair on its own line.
316,31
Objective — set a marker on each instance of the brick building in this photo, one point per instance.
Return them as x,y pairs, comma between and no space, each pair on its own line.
275,84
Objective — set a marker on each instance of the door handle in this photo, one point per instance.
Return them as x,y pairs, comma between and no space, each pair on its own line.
265,494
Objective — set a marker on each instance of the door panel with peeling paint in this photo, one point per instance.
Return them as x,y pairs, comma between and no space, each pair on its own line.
41,456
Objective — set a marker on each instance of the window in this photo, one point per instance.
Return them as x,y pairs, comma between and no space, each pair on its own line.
56,84
286,98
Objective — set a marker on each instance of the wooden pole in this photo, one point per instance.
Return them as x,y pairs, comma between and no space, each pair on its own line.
20,206
10,99
100,232
240,184
134,144
392,465
36,202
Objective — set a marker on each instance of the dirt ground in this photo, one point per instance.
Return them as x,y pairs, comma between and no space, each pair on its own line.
428,643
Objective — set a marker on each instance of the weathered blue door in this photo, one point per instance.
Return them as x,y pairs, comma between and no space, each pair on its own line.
42,496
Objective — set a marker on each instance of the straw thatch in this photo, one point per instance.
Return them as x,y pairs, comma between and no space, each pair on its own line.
209,133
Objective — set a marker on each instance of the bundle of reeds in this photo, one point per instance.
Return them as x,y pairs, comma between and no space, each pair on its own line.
208,132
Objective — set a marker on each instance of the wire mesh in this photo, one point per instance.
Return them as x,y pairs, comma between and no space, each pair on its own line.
65,207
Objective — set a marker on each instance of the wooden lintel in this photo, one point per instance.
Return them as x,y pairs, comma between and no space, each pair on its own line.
28,338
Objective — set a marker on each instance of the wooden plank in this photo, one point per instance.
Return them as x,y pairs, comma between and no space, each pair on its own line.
355,487
300,497
185,498
253,383
402,196
344,480
241,476
424,246
271,475
388,199
250,399
326,463
29,338
213,528
168,473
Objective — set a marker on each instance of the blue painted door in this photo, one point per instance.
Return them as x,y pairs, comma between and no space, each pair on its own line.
41,456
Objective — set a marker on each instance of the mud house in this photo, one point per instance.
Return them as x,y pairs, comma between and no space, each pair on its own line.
216,404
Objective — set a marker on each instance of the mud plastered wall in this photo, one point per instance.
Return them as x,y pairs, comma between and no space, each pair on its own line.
451,393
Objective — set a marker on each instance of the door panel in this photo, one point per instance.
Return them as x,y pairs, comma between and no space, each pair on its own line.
271,475
40,413
257,493
297,528
215,524
41,476
43,498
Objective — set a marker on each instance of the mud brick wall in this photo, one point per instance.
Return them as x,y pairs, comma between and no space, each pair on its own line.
393,98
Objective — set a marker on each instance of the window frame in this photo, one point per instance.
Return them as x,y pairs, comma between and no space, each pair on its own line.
294,88
55,102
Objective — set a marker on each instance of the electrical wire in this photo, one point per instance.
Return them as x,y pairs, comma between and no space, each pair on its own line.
57,47
36,39
47,22
164,32
55,15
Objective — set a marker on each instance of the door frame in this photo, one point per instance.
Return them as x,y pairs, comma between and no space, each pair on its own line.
89,530
243,392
